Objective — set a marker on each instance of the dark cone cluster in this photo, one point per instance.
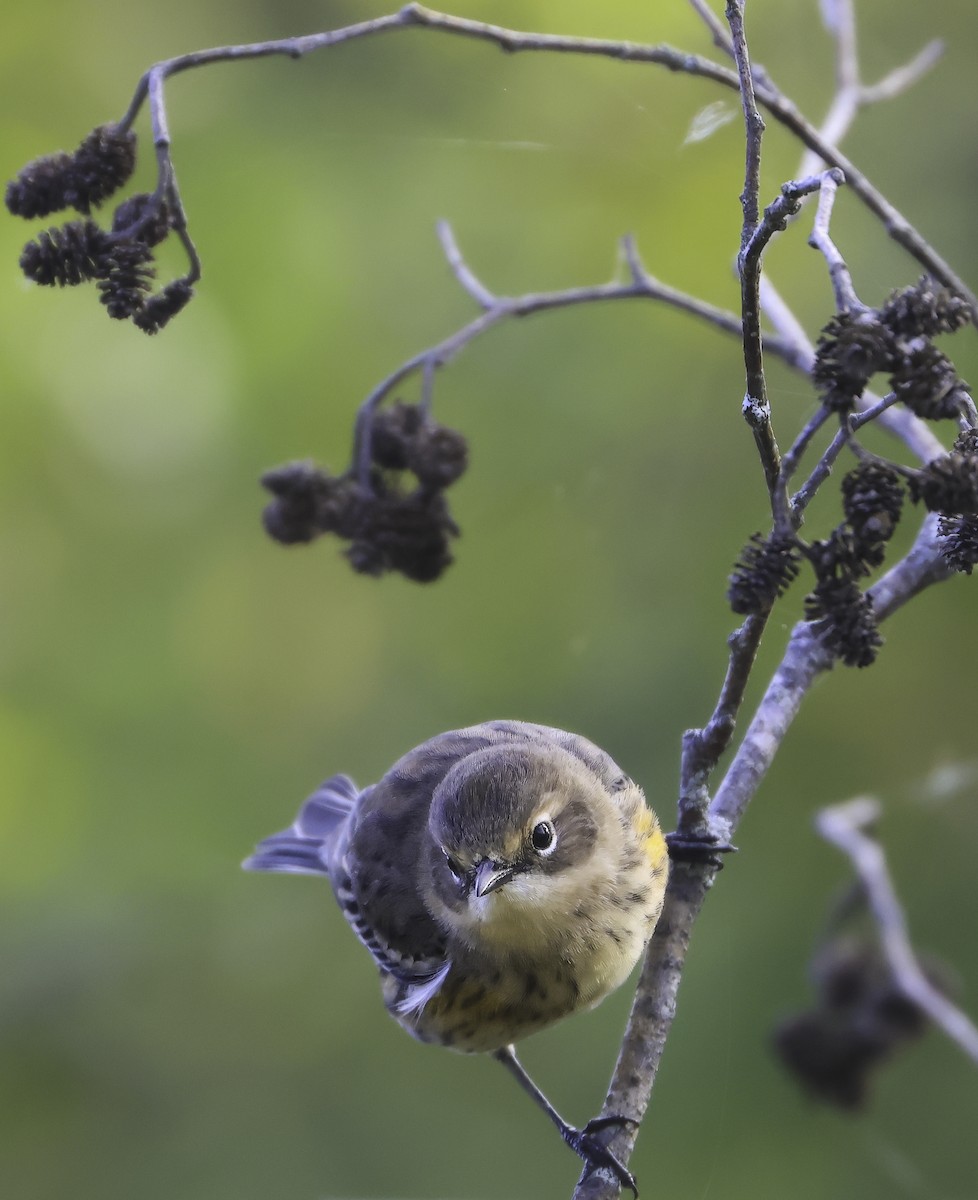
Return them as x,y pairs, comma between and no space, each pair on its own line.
765,570
408,533
925,310
143,218
390,526
959,542
859,1019
102,163
872,496
949,484
120,260
927,383
405,437
895,340
849,627
872,500
128,278
850,350
68,255
309,502
160,309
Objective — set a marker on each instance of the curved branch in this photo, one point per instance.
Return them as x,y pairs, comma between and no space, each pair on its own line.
846,826
514,41
495,309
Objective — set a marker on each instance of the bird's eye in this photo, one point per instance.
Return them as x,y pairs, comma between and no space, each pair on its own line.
458,873
543,839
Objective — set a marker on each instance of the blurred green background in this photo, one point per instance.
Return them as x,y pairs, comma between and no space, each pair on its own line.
173,683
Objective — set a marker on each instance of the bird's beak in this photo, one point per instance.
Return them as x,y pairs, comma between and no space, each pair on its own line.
490,875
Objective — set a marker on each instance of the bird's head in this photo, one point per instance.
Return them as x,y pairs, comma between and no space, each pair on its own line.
518,836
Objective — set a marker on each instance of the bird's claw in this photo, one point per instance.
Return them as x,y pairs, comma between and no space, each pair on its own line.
596,1154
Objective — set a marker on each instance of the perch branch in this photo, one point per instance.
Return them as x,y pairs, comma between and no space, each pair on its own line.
653,1010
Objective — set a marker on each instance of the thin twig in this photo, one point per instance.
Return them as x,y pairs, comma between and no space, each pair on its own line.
843,437
753,122
718,31
846,299
702,748
848,826
756,407
513,41
463,273
792,459
495,309
851,93
820,472
900,79
894,222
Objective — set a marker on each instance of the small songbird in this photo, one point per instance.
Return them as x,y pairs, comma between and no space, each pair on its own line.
502,876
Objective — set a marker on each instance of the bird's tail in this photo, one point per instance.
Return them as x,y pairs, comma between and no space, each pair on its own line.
300,849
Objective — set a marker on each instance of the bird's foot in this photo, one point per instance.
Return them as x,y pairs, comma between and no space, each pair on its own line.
595,1153
705,849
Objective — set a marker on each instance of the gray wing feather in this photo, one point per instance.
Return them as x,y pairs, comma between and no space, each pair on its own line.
302,849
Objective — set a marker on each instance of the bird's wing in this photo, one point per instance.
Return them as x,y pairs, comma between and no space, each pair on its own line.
376,872
375,878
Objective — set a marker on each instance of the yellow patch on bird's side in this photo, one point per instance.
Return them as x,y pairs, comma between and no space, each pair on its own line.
653,843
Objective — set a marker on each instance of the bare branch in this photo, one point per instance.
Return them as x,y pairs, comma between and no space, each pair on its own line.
901,79
756,408
495,309
820,472
753,122
845,294
791,461
463,273
894,222
702,748
513,41
851,93
651,1017
718,31
848,827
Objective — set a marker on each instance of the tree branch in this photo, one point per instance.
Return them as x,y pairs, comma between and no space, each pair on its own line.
513,41
848,826
653,1010
495,309
756,407
851,93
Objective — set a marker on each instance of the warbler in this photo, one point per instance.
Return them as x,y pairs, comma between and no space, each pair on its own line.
503,877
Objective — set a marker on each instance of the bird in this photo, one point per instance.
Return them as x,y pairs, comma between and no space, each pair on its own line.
502,876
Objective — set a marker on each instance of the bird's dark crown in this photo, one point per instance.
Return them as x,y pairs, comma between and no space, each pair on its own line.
487,804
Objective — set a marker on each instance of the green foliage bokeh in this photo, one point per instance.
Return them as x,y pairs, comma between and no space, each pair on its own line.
172,683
